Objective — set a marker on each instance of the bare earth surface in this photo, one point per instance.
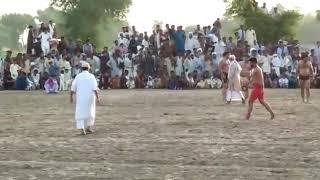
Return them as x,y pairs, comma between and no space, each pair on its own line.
158,134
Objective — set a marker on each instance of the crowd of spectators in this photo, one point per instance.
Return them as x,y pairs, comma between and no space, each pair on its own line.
169,58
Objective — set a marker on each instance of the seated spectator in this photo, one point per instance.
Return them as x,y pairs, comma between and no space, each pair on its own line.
31,85
51,86
130,83
123,80
316,81
172,84
293,82
274,79
150,83
182,81
215,82
139,81
115,82
283,81
21,81
190,80
43,79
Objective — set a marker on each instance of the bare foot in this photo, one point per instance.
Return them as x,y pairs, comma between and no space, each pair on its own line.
248,116
243,101
272,116
82,132
89,131
308,102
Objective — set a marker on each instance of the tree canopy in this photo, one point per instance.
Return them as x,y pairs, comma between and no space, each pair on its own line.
11,26
86,18
267,27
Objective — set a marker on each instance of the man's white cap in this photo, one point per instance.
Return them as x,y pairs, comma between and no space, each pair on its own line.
85,65
253,49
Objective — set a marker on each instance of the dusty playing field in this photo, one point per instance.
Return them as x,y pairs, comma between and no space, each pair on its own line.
158,134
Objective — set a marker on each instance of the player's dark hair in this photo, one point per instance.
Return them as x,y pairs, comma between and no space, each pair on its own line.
85,69
225,53
253,59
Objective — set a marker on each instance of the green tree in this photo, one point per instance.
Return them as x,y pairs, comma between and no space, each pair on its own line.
268,28
11,27
85,18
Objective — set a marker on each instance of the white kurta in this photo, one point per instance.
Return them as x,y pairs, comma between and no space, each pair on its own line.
234,86
251,37
84,86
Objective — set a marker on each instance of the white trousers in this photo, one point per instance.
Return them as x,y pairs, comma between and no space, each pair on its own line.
45,49
81,123
234,95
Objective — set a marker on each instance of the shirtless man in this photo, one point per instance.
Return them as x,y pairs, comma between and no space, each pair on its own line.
245,76
258,88
224,69
304,74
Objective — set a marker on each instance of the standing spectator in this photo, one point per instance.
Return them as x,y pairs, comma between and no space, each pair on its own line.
62,46
251,37
30,40
8,82
264,8
179,65
123,40
42,64
230,45
317,56
282,50
53,70
14,69
87,47
149,65
133,45
276,64
51,29
191,42
45,41
274,78
180,40
266,66
37,47
113,65
241,33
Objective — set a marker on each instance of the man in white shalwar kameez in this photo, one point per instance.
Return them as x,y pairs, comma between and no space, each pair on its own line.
234,92
86,89
251,37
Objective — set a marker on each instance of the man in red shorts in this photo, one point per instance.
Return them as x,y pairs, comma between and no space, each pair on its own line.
257,88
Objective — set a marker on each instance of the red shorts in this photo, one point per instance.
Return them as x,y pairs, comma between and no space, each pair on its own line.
256,93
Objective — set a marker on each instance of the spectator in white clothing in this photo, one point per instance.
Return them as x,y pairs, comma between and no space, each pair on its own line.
45,41
283,81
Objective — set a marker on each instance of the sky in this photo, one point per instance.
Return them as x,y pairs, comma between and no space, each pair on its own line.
143,13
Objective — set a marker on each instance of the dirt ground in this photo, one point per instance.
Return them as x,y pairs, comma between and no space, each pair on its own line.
161,135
